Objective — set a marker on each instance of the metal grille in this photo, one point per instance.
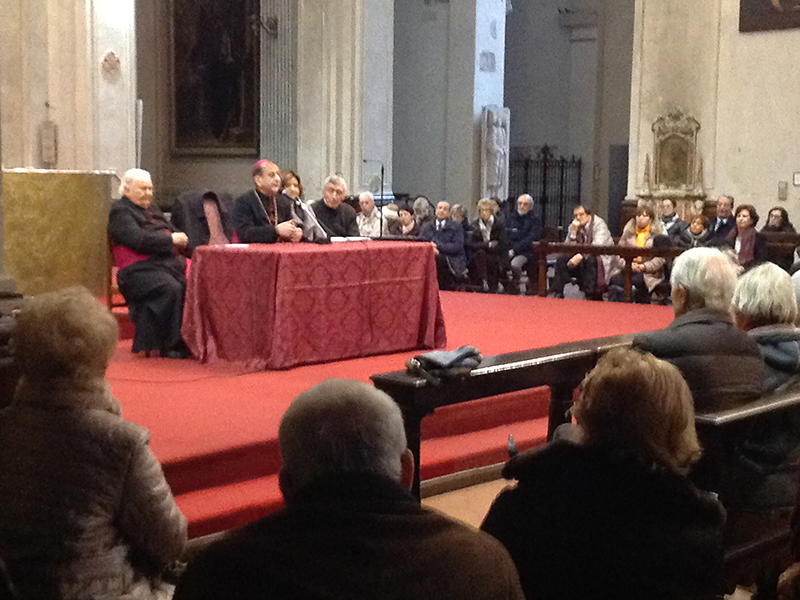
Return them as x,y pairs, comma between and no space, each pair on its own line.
553,183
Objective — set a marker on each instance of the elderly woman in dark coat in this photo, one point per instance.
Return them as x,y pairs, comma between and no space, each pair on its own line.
85,511
764,306
614,513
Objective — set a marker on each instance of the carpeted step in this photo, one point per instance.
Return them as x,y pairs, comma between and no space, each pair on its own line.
225,507
240,464
229,506
445,455
460,422
485,413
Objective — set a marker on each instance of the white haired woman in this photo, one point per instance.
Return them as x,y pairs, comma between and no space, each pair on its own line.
615,510
764,306
85,511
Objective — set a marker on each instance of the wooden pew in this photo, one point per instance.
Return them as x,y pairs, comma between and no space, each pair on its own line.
777,244
720,433
627,253
561,367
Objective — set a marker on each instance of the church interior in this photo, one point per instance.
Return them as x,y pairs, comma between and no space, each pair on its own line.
657,98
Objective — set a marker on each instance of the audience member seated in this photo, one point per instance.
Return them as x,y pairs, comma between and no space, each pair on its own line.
405,226
672,225
264,214
696,234
750,245
487,244
336,217
523,228
764,305
778,222
447,238
422,212
390,217
497,211
458,212
722,224
369,220
85,510
721,363
613,512
646,274
204,219
592,274
150,277
291,185
350,528
304,216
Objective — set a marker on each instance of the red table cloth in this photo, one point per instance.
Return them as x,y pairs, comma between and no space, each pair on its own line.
275,306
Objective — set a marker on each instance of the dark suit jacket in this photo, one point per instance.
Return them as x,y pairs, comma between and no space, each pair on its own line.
339,221
522,231
674,230
724,229
474,239
250,217
450,242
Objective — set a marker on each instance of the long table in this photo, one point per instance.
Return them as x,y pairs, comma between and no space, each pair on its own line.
275,306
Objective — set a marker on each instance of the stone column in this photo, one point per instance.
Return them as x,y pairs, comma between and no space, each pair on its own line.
449,65
676,52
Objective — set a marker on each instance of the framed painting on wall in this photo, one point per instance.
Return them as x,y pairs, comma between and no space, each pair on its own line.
764,15
215,77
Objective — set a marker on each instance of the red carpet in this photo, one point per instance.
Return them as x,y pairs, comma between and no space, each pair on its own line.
214,428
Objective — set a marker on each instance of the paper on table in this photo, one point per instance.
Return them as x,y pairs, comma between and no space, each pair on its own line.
352,238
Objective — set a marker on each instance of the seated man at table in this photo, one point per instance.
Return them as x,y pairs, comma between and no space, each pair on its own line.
264,214
151,277
721,363
350,528
336,217
447,237
592,274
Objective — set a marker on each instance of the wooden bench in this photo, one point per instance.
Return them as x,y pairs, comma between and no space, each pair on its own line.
628,253
777,245
562,368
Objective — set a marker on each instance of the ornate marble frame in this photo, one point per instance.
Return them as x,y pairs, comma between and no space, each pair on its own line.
677,169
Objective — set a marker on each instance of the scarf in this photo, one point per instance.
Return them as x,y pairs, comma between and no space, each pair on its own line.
641,236
486,228
747,243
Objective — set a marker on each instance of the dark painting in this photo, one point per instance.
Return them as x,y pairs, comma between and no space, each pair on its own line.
215,71
762,15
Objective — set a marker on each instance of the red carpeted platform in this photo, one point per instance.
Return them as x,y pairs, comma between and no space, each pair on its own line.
214,428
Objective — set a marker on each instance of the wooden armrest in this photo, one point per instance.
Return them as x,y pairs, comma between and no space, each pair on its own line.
763,405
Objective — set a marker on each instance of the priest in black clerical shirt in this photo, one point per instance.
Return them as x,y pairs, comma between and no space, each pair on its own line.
336,218
264,214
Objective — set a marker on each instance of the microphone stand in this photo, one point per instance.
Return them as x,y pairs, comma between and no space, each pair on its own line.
380,162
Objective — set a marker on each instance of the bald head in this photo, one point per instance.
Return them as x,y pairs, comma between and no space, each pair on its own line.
341,426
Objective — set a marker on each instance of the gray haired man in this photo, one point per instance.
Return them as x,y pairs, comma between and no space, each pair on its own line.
350,528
